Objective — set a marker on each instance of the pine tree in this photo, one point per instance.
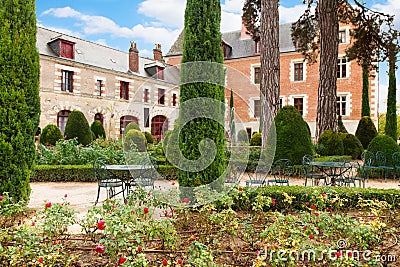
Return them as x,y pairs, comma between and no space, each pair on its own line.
202,43
19,96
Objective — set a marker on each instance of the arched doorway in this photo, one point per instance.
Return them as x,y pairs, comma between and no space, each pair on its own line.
62,118
159,124
99,117
125,120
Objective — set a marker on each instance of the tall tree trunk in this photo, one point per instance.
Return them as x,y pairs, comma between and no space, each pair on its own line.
365,109
329,27
270,65
391,117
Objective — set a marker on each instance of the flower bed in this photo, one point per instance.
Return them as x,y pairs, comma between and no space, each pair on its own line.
246,227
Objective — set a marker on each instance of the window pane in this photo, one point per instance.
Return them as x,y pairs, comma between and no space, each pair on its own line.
298,71
298,104
257,75
161,96
257,108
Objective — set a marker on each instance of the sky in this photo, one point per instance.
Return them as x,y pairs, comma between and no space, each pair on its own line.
116,22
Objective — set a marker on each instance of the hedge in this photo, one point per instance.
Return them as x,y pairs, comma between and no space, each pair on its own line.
84,173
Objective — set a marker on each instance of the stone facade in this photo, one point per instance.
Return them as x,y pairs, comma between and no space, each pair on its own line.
97,76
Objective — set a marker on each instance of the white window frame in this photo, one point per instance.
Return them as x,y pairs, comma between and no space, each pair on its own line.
252,106
346,30
292,70
252,73
348,103
347,66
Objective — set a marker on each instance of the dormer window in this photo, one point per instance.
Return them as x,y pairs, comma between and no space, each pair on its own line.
63,48
226,49
67,49
160,73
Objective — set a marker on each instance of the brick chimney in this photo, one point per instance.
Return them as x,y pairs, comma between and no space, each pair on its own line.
133,58
244,34
157,53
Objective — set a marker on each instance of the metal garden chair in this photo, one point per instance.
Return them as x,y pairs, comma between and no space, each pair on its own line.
281,171
310,173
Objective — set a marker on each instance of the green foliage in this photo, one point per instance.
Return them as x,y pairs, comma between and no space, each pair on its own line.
351,145
19,96
50,135
341,127
98,130
391,116
134,140
202,45
382,123
365,110
366,131
330,144
242,137
256,139
131,126
149,138
68,152
293,139
386,144
78,127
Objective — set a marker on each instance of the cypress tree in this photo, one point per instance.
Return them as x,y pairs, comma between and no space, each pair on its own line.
19,96
232,127
391,117
365,110
201,51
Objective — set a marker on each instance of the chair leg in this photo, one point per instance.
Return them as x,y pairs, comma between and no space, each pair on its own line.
98,195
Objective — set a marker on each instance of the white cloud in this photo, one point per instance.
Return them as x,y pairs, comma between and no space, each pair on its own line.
290,14
169,13
101,41
146,53
230,22
65,12
154,35
63,30
391,7
233,6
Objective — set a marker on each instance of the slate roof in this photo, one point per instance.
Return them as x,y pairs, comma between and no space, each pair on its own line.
242,47
90,53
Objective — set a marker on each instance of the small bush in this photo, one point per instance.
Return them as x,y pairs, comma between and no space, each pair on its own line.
78,127
351,145
131,126
386,144
242,137
330,144
341,127
98,130
366,131
255,139
50,135
293,139
149,138
135,140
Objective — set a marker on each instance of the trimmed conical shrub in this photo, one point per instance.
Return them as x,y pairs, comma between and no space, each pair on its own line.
131,126
351,145
134,140
386,144
98,130
50,135
330,144
293,139
366,131
78,127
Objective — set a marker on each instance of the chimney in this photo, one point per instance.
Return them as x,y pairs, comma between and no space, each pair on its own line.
133,58
157,53
244,34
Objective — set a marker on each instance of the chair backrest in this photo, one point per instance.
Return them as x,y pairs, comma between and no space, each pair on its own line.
282,169
100,171
396,159
306,164
368,158
380,158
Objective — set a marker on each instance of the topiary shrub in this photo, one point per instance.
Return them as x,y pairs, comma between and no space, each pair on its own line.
134,139
351,145
242,137
131,126
386,144
255,139
366,131
293,139
330,144
149,138
78,127
341,127
50,135
98,130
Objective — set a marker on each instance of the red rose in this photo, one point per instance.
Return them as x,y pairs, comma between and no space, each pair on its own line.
48,204
41,260
164,262
122,260
186,200
311,237
317,214
101,225
304,227
240,189
99,248
338,254
1,198
313,207
273,202
33,223
323,195
139,249
146,210
65,195
180,261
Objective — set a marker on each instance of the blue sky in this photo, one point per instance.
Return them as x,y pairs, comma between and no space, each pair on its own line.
147,22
